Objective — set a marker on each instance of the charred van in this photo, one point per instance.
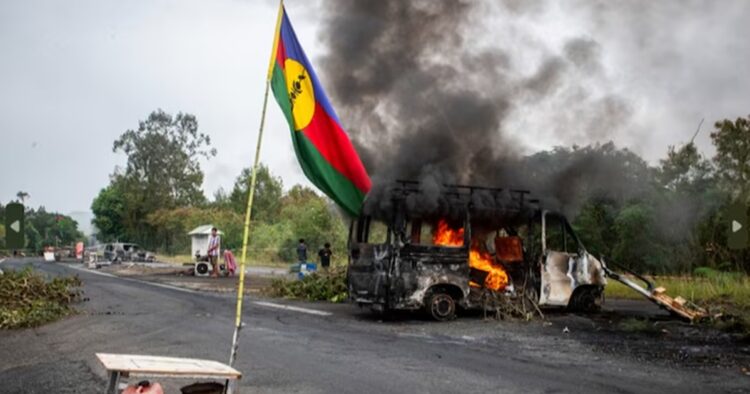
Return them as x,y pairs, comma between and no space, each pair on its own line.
446,251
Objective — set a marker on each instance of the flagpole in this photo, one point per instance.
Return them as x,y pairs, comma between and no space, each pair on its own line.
246,233
249,209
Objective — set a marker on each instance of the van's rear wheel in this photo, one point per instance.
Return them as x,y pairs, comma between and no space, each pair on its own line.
441,306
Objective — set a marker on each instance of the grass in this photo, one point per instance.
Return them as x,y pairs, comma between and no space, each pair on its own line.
723,288
27,299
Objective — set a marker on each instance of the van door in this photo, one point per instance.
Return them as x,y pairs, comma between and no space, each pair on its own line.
562,261
369,261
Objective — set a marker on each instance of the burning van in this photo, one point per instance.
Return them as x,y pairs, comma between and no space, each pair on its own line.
460,247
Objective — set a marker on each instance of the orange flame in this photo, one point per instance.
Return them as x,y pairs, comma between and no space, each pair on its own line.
496,278
446,236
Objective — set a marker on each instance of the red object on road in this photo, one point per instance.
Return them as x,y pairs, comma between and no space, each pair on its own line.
79,250
144,387
229,261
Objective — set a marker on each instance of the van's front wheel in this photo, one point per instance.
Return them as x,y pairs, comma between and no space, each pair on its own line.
441,306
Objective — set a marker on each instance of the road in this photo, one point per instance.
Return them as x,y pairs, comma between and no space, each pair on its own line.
342,351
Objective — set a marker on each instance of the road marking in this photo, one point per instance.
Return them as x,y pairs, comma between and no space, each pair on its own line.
165,286
292,308
162,285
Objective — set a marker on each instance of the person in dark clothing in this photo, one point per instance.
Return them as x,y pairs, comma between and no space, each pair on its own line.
325,255
302,251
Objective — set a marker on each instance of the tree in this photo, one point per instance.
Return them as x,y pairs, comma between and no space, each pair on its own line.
314,218
44,228
109,209
162,172
163,159
637,245
685,169
732,159
267,198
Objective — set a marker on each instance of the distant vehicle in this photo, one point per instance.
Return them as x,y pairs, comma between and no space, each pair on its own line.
119,251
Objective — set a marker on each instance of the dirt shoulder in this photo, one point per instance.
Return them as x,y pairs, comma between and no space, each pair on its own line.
256,278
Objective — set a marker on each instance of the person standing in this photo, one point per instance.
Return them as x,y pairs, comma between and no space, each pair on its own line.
214,244
302,251
325,256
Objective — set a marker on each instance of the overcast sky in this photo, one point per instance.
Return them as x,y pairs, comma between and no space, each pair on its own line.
75,75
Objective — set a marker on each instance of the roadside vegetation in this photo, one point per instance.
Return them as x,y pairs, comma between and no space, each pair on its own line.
319,286
27,299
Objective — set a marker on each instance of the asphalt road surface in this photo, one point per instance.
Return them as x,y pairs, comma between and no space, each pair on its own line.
340,350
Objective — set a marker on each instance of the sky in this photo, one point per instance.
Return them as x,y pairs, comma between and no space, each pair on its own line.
75,75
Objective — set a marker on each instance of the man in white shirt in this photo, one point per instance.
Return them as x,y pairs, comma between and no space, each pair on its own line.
214,244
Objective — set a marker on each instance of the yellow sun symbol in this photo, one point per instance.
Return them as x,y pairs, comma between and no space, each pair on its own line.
301,94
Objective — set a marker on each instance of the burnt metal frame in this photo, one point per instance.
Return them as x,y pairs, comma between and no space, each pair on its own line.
406,187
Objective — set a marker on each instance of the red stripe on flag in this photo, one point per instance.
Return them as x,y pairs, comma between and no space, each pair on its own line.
280,54
334,145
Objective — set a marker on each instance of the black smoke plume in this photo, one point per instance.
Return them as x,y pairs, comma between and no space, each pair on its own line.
423,100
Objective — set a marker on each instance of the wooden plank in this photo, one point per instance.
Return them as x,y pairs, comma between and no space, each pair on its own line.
172,366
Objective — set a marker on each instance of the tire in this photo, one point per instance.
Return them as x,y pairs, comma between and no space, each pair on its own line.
587,299
441,306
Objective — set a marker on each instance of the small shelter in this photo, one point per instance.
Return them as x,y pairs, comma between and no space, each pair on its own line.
199,239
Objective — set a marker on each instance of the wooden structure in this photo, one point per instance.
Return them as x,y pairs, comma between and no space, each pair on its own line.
129,365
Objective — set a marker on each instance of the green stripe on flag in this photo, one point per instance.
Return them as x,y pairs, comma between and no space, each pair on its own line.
320,172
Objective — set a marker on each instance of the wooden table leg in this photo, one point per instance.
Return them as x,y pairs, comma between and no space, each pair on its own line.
114,381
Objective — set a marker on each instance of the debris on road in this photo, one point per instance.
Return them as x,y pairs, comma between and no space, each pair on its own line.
677,305
28,299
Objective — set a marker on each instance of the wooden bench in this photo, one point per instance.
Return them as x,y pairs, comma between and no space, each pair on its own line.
127,365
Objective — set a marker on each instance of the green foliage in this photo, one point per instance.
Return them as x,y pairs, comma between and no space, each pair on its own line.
109,214
302,214
594,224
172,225
314,219
732,159
162,173
318,286
716,275
637,246
44,228
267,197
28,300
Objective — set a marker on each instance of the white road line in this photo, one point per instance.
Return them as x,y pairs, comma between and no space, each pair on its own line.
162,285
292,308
165,286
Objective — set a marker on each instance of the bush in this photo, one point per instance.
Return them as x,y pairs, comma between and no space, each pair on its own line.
318,286
28,300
